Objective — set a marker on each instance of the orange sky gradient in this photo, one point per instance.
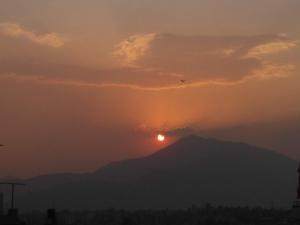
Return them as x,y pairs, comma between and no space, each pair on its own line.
84,83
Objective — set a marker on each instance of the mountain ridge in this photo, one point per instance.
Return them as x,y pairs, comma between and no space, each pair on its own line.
193,170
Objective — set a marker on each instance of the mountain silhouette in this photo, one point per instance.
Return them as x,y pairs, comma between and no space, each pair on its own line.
191,171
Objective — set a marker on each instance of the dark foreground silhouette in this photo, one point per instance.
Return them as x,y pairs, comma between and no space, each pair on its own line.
207,215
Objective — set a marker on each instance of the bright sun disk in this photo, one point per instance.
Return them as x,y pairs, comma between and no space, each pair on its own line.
160,137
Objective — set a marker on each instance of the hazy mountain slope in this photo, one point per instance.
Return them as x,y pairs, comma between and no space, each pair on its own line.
191,171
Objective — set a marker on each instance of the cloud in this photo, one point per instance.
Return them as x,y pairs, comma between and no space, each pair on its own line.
134,48
156,62
269,71
181,132
14,30
203,58
274,47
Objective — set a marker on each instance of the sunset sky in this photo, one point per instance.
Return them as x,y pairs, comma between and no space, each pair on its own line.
87,82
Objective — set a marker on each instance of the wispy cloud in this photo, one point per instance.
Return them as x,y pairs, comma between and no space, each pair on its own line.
118,84
158,62
274,47
15,30
206,59
133,48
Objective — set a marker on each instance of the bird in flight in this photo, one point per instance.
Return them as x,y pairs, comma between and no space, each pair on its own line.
183,81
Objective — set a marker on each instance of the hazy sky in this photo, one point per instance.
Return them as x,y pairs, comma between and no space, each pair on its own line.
87,82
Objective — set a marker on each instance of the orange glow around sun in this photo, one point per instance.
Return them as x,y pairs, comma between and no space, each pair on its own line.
161,137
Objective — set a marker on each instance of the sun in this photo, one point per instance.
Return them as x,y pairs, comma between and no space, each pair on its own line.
161,138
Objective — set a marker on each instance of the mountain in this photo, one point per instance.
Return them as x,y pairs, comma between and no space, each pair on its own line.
191,171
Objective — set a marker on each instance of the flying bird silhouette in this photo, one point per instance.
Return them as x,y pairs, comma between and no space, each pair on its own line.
183,81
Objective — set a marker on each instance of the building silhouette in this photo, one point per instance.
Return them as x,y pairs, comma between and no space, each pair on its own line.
1,204
12,215
295,213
